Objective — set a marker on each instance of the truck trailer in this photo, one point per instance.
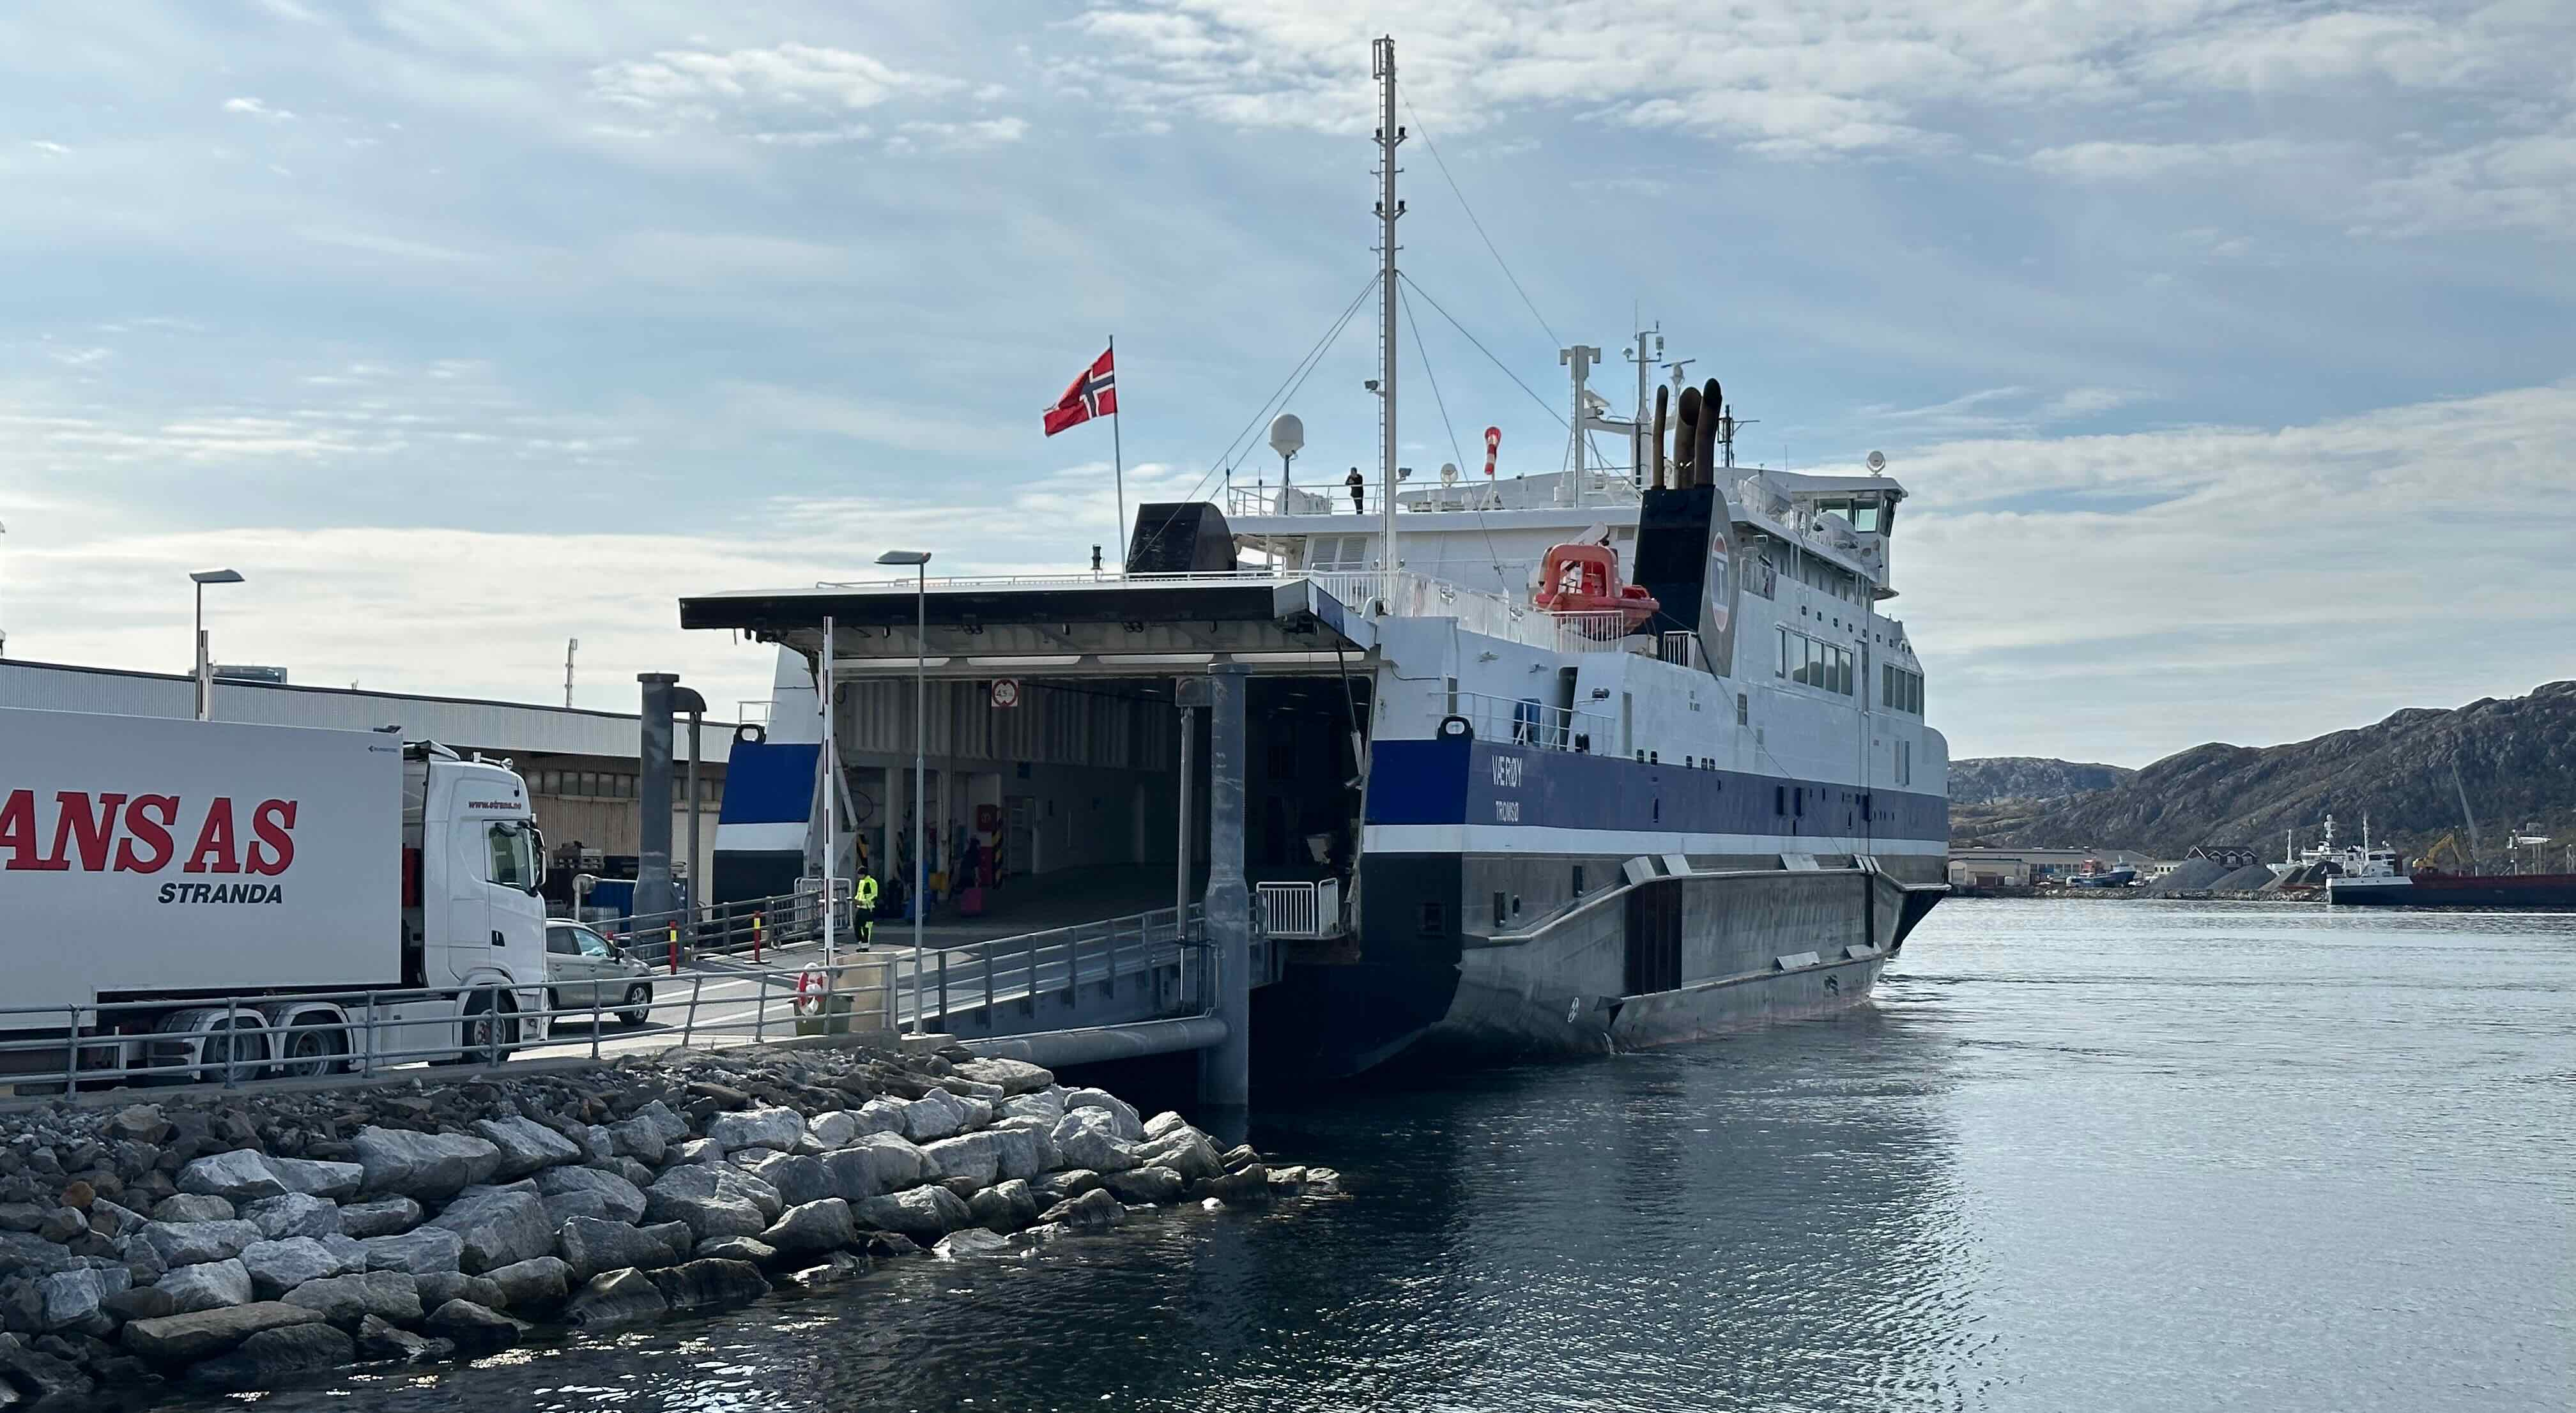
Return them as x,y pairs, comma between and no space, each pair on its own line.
196,900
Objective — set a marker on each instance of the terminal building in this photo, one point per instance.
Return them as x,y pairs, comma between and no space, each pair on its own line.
582,767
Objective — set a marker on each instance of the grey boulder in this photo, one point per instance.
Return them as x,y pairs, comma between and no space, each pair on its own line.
1005,1206
382,1217
799,1178
477,1329
72,1297
423,1251
439,1289
208,1285
876,1164
294,1214
186,1338
538,1283
1162,1124
972,1243
623,1200
922,1213
710,1285
428,1166
637,1138
1063,1186
1085,1142
936,1115
1186,1151
315,1178
189,1243
618,1297
189,1207
812,1228
497,1229
1012,1077
346,1300
1129,1126
526,1145
1096,1210
757,1128
277,1267
591,1247
238,1176
965,1156
378,1339
1151,1184
272,1356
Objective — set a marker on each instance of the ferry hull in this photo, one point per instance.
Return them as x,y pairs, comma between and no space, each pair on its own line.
1755,946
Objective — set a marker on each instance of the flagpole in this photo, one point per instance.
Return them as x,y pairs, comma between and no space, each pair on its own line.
1118,459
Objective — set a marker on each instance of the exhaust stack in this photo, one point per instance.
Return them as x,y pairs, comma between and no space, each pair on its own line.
1663,396
1712,409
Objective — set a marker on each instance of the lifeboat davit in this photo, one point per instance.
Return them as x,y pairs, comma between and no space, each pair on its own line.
1582,580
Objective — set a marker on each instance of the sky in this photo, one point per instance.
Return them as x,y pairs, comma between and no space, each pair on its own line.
2225,348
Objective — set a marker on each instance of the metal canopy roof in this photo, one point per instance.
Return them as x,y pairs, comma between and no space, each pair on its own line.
985,627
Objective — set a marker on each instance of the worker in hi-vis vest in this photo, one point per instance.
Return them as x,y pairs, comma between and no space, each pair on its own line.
866,898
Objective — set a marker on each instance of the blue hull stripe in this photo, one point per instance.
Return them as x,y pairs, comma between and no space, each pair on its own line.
1484,783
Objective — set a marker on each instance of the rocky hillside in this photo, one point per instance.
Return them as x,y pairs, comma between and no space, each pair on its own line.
2515,759
1991,778
1995,797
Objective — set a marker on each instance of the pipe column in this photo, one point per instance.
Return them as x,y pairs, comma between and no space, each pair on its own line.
1225,1068
653,893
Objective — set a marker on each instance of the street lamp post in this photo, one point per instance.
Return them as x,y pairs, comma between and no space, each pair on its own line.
920,562
205,664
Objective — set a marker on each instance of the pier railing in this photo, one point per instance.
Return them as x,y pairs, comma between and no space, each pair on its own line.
247,1039
1152,965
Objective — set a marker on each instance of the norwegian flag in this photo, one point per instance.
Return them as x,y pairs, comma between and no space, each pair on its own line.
1094,394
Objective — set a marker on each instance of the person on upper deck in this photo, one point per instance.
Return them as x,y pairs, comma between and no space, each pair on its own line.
1358,489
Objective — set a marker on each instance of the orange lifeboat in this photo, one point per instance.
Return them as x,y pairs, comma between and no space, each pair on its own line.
1581,583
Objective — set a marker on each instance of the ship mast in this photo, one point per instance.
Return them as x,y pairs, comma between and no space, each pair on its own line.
1382,68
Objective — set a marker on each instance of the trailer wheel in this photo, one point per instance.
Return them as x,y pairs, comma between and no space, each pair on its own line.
315,1049
491,1028
243,1048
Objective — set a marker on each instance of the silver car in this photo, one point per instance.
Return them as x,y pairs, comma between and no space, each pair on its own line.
584,968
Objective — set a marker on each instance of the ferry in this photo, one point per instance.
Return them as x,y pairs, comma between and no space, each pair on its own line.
1545,765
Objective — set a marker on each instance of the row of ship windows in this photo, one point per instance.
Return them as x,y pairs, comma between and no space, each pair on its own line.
1900,689
1809,663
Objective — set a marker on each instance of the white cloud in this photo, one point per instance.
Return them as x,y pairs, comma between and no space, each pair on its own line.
255,108
791,74
54,149
959,136
2222,582
2152,161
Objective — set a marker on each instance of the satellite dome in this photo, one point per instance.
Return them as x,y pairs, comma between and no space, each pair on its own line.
1287,434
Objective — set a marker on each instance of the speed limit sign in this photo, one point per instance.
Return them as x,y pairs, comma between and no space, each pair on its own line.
1006,692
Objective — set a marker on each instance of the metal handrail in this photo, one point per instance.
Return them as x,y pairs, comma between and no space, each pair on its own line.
367,1048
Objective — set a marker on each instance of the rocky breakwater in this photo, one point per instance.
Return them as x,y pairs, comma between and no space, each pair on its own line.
234,1245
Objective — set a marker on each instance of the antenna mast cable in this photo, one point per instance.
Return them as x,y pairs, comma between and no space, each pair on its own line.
1382,68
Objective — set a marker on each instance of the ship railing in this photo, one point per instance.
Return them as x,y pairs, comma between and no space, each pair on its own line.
1466,495
1528,721
1403,593
1299,911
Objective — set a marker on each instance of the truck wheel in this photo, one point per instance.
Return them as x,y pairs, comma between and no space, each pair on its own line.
489,1029
639,1001
314,1050
244,1048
